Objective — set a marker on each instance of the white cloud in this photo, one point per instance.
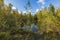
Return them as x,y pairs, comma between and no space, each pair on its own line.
24,11
37,10
29,10
13,7
41,1
19,11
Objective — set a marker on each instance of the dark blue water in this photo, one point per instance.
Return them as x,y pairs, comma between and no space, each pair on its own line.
32,27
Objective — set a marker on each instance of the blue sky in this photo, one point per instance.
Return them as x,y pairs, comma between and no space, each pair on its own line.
35,4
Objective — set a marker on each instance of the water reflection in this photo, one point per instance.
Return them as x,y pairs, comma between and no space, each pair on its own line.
32,27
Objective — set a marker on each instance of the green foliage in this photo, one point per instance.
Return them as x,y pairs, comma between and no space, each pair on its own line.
12,22
4,36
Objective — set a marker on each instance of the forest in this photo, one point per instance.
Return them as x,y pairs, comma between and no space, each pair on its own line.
13,24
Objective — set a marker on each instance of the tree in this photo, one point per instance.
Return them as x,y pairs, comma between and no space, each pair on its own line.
51,9
28,7
1,3
58,12
35,19
10,8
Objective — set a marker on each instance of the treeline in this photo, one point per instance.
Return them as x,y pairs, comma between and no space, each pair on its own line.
11,23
